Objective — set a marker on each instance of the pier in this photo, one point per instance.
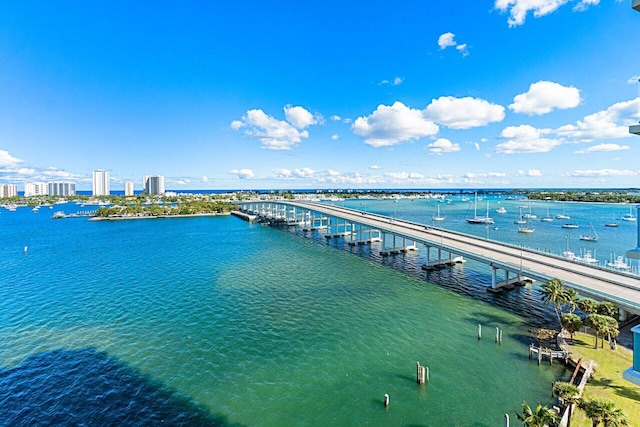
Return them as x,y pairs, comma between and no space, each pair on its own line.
516,264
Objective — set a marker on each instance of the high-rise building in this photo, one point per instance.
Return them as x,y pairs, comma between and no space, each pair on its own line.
35,189
8,190
61,188
128,188
154,184
101,183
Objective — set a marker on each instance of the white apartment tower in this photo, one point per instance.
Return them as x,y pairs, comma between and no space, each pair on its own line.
101,183
8,190
128,188
61,189
153,185
35,189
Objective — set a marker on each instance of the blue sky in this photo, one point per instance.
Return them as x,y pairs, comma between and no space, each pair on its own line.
321,94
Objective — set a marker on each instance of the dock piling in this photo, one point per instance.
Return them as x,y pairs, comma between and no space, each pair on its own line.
479,331
386,400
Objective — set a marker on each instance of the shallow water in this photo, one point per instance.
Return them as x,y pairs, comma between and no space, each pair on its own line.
212,321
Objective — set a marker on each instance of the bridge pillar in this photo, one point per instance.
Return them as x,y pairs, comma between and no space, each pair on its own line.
622,314
494,274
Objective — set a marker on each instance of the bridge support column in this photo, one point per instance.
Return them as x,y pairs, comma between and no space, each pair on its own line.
622,314
494,274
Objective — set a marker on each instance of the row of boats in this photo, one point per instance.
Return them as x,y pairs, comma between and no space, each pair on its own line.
619,263
525,218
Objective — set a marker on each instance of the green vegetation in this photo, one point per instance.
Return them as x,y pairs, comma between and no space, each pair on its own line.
541,416
137,207
594,196
607,382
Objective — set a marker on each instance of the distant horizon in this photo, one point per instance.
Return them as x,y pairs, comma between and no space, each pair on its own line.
358,190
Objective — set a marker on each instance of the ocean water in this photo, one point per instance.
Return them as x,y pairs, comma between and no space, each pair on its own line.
213,321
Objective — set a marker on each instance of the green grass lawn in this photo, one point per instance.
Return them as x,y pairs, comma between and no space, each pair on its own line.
607,382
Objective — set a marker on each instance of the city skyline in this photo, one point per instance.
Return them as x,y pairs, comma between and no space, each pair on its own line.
493,94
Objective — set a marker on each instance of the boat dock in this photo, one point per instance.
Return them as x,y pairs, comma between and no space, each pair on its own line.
547,353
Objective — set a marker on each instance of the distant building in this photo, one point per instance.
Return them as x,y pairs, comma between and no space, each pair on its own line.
101,183
8,190
153,185
61,189
128,188
35,189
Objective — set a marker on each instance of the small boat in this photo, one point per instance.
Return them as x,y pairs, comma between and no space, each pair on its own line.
526,230
479,219
593,237
588,258
629,216
59,215
562,215
613,223
437,216
501,210
618,264
570,225
521,220
547,218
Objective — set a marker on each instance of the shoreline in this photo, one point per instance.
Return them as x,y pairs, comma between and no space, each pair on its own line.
120,218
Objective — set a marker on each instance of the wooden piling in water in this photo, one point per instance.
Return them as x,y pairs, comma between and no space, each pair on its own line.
386,400
497,334
500,340
479,331
421,374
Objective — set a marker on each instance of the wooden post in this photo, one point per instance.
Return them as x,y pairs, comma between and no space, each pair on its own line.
479,331
539,355
530,351
500,341
497,334
506,420
421,374
427,368
386,400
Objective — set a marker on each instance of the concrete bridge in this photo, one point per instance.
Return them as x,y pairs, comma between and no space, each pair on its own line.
517,263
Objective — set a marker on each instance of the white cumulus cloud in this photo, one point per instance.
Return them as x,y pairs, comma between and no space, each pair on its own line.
543,96
242,173
530,172
448,40
464,113
299,117
282,173
304,172
610,123
603,147
590,173
518,9
442,146
525,139
7,160
276,134
335,137
634,80
391,125
375,167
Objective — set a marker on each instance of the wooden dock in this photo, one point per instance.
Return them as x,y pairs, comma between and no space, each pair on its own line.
542,353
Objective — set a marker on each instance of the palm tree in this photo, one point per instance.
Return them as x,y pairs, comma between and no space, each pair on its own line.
568,395
588,305
553,292
571,323
542,416
571,300
605,411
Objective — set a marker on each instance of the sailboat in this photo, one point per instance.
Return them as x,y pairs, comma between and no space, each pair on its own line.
590,237
526,228
547,218
520,220
629,216
562,215
437,216
479,219
613,223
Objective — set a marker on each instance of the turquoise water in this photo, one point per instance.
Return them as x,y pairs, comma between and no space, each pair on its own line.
212,321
